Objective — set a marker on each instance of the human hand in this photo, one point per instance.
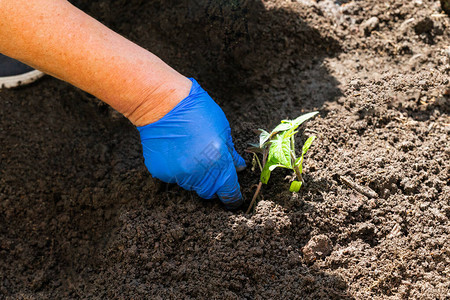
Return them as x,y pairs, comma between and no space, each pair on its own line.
192,146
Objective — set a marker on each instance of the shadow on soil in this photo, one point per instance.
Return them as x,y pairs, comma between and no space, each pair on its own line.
78,165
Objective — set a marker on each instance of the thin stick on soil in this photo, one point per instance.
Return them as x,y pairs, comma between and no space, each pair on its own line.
254,197
366,191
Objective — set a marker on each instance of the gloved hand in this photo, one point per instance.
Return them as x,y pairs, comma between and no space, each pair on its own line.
192,146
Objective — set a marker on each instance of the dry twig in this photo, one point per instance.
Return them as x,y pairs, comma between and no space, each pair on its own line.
366,191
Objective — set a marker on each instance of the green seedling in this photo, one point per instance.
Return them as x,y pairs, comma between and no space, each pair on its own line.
278,150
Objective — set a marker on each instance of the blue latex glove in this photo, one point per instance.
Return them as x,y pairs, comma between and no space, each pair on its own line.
192,146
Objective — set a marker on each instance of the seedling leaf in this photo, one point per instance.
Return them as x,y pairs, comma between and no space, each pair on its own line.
299,161
256,149
282,127
272,167
279,156
280,151
263,137
293,124
295,186
307,144
303,118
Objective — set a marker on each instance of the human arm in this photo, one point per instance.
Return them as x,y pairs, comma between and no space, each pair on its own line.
59,39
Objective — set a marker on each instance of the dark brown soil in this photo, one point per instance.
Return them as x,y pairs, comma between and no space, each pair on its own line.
80,217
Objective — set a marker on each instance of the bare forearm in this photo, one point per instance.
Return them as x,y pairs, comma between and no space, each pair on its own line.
59,39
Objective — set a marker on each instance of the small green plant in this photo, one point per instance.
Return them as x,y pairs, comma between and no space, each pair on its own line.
278,150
